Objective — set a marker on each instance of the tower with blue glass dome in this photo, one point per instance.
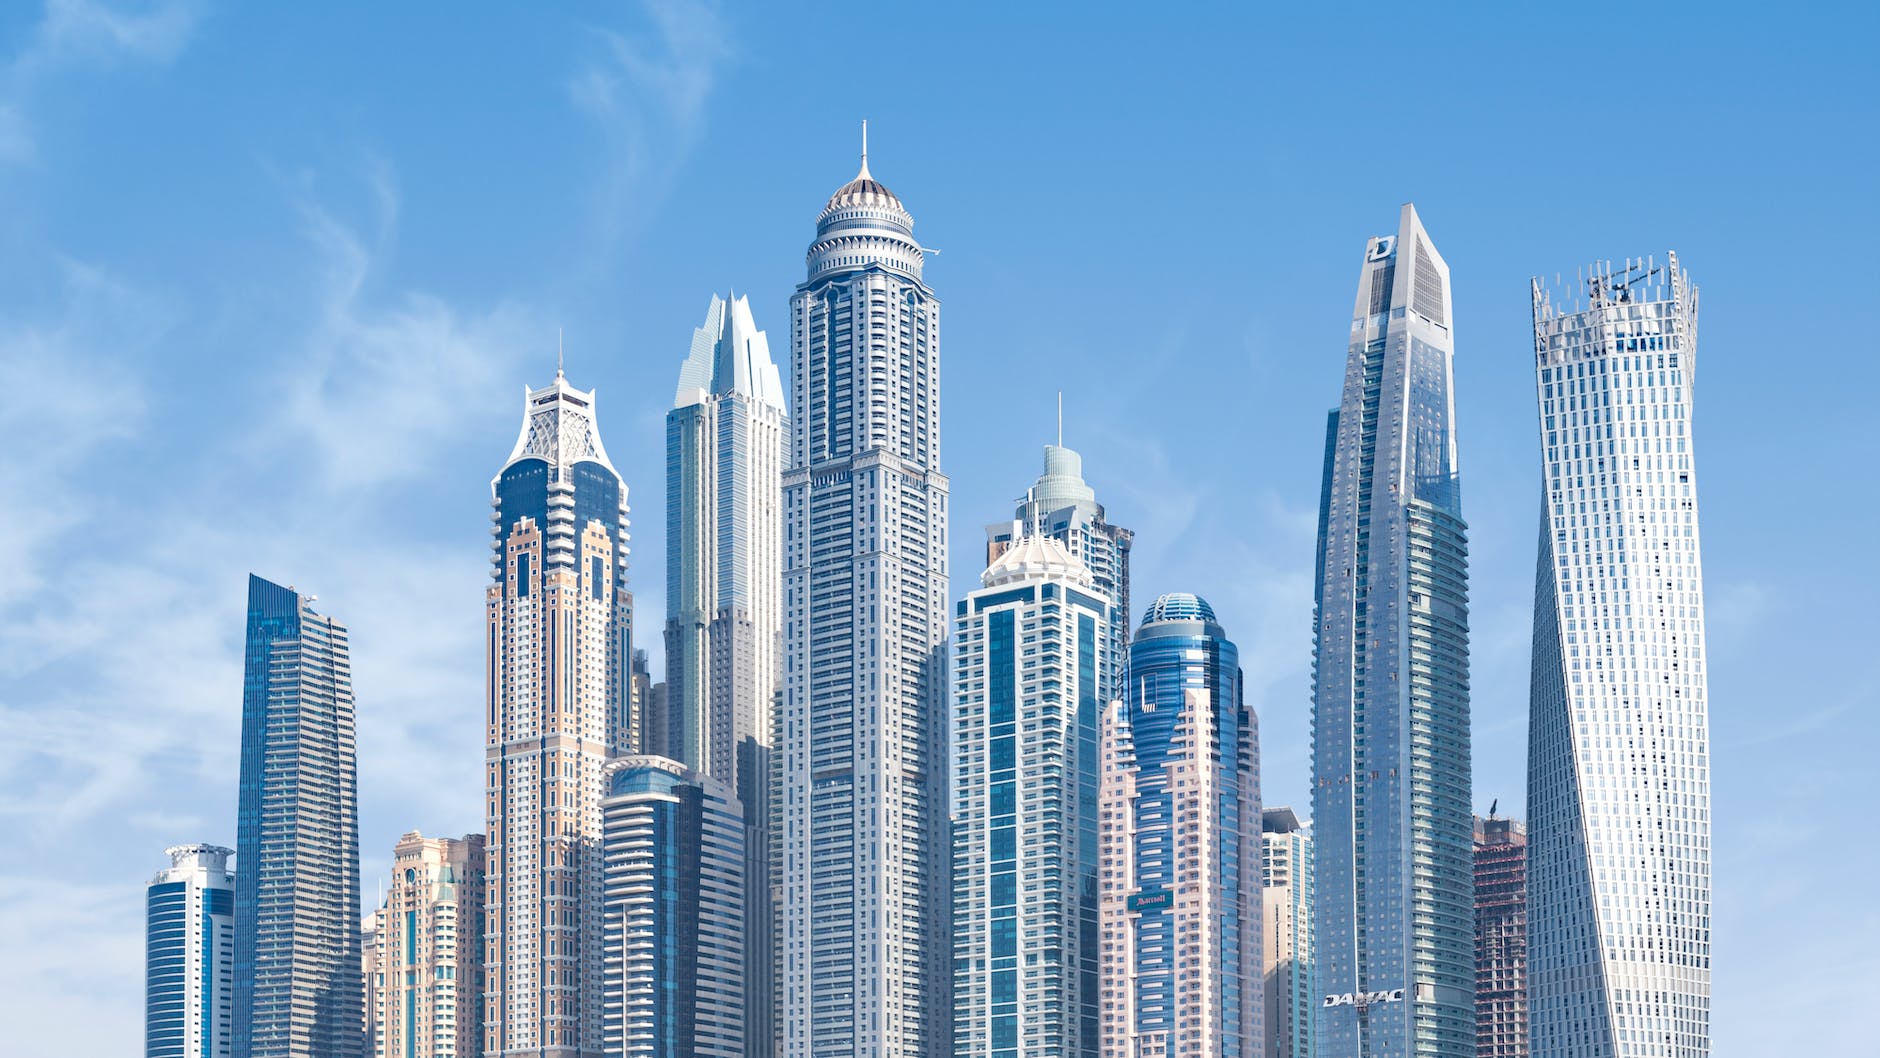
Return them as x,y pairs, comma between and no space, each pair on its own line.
1180,846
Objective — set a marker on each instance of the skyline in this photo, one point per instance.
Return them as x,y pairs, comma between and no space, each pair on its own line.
344,390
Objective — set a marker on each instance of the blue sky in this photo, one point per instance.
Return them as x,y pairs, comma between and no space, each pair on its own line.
272,278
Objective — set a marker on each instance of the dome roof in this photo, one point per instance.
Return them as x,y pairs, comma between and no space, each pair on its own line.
1031,557
864,190
1178,606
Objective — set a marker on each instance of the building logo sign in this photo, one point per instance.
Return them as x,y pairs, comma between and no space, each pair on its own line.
1151,900
1386,245
1364,999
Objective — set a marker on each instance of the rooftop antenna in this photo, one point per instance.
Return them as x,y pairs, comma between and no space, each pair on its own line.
558,352
1060,443
864,146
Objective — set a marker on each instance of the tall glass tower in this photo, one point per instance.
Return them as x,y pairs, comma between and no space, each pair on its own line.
189,955
1391,817
867,934
1619,730
726,446
725,451
1179,839
1061,505
559,621
1032,647
1286,873
298,993
673,926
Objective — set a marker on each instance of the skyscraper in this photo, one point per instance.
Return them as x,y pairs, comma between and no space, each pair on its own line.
725,451
1286,873
1032,649
297,956
1391,814
559,684
1618,731
673,928
867,848
425,985
726,447
189,955
1179,819
1501,1022
1062,506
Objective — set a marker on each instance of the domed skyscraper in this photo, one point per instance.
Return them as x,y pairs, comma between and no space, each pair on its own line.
866,841
1179,904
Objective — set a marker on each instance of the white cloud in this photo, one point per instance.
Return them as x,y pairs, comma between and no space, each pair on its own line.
121,614
81,34
648,90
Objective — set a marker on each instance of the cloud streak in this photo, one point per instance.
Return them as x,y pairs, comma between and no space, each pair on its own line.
83,35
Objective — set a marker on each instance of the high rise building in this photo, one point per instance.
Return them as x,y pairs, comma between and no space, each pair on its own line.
1501,1022
1391,819
297,947
559,685
673,926
726,446
651,729
425,984
1032,646
1179,818
189,955
641,714
1619,731
725,451
867,849
1062,506
1286,874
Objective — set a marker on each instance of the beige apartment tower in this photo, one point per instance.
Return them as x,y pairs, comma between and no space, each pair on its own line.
424,968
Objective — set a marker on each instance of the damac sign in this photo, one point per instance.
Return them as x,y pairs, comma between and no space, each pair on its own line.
1364,999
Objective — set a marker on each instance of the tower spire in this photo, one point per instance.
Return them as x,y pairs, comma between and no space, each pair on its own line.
864,147
558,353
1060,443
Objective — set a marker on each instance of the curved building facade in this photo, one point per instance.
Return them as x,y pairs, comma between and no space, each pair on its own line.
673,928
189,955
1180,847
866,842
1618,927
559,621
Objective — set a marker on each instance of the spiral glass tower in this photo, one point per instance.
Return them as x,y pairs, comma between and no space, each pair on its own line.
1619,726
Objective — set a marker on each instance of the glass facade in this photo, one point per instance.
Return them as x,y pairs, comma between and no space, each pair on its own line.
189,956
1291,979
297,938
559,686
1393,922
726,446
866,838
1029,664
1180,847
1618,733
673,927
1062,506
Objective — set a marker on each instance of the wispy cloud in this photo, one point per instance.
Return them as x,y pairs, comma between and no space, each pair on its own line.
648,88
81,34
380,381
120,611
